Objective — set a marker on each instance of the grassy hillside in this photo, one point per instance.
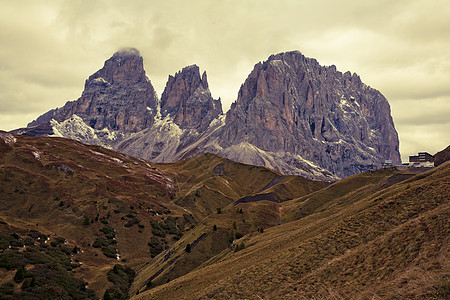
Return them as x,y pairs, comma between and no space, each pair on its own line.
208,182
98,200
373,235
442,156
343,193
114,208
211,188
80,222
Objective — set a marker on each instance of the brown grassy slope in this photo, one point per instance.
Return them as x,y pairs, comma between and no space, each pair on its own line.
243,218
51,184
208,182
206,242
442,156
256,215
343,192
392,244
292,187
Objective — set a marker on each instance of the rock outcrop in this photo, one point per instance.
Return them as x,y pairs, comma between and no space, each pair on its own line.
291,104
118,97
292,115
188,100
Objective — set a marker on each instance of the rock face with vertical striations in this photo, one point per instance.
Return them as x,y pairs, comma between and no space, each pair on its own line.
188,100
189,115
291,115
292,105
117,97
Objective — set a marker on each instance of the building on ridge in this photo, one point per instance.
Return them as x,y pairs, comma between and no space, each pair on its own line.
424,159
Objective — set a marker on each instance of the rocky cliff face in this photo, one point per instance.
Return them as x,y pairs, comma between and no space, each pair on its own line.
118,97
292,115
188,100
291,104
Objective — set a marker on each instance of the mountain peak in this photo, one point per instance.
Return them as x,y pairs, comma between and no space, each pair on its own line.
205,80
126,65
127,52
193,67
188,99
118,96
292,104
292,114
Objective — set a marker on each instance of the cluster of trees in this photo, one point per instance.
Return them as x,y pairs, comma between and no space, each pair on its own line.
42,271
122,277
107,241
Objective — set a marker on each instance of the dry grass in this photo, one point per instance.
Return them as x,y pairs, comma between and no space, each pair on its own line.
369,236
50,184
392,243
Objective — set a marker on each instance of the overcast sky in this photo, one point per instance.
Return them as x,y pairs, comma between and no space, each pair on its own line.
400,47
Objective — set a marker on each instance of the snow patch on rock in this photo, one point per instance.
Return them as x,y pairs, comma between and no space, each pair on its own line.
36,155
75,128
8,138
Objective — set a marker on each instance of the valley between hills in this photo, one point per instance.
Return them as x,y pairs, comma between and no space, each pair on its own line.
81,221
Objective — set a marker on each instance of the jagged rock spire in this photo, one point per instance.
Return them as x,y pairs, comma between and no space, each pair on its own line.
188,100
